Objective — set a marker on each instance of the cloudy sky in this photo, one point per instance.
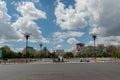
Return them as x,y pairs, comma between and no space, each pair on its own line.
59,24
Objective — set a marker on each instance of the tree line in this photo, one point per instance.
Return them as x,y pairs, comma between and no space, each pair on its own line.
9,54
115,54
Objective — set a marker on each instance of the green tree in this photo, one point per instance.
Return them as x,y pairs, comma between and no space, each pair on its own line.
116,54
68,55
19,55
7,53
102,54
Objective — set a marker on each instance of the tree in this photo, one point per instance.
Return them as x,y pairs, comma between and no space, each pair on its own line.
116,54
19,55
7,53
102,54
68,55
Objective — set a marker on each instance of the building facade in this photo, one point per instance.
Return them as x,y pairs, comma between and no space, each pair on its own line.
59,52
30,50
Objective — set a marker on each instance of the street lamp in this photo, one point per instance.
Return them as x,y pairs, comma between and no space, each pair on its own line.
53,55
94,35
26,35
41,46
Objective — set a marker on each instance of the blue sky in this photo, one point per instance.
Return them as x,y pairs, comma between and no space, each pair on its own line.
58,24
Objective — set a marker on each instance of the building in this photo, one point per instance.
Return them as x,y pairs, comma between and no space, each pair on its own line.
30,50
100,48
59,52
92,49
45,51
88,50
110,49
79,47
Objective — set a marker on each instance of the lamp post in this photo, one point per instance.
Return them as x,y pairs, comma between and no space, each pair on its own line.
26,35
94,35
53,55
41,46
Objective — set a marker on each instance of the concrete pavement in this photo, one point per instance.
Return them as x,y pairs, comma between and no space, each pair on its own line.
72,71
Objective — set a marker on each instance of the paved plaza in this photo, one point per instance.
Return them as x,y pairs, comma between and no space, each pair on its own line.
64,71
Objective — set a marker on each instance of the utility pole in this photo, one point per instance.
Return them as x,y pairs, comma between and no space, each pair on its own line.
26,35
94,35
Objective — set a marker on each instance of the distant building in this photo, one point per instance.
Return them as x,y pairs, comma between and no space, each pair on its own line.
79,47
88,49
45,50
100,48
111,49
118,48
30,50
59,52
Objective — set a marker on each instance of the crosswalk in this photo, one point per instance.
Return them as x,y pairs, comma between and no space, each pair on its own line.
74,62
57,62
70,62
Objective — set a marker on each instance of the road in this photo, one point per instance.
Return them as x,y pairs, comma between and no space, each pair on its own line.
64,71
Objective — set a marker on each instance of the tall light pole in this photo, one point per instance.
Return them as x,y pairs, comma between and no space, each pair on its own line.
26,35
41,46
94,35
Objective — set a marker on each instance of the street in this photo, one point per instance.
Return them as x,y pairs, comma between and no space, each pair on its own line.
64,71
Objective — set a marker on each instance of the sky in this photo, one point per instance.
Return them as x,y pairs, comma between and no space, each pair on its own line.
59,24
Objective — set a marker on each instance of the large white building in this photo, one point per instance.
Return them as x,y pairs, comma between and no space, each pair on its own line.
30,50
59,52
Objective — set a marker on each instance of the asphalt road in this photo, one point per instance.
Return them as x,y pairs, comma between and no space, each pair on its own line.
69,71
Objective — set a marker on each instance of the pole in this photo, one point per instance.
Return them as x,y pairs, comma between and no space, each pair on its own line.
94,37
41,47
26,49
94,50
26,35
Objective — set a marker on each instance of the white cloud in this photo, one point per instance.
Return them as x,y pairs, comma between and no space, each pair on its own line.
18,49
93,30
35,0
72,41
111,40
101,15
58,46
26,23
28,10
63,35
60,37
6,31
109,20
4,17
59,41
104,18
23,24
107,24
74,16
1,44
69,18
